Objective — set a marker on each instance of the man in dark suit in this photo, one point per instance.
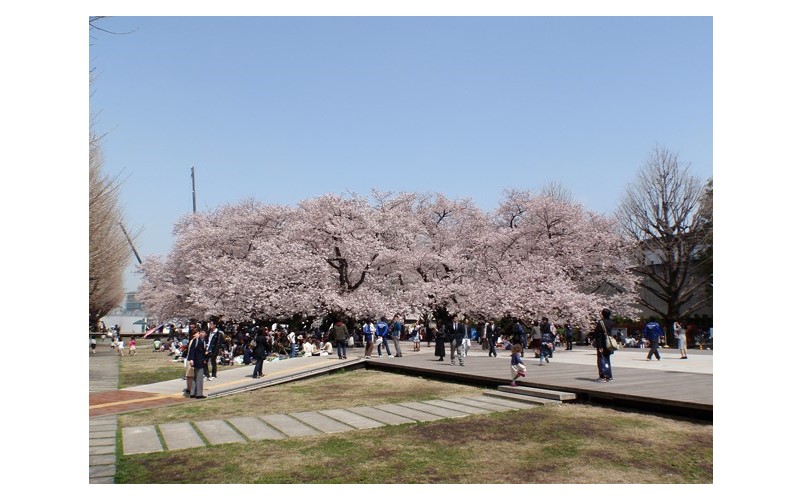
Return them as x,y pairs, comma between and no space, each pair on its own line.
197,360
455,332
491,338
212,350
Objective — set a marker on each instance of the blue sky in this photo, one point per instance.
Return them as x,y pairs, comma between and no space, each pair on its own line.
287,108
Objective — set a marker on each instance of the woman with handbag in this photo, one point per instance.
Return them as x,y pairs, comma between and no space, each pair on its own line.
601,332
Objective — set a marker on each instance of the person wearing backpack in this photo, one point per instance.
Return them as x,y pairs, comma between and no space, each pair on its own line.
601,331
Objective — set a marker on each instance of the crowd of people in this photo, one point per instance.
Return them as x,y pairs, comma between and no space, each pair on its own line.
202,346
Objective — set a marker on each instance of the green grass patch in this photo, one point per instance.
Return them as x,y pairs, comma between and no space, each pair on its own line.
563,444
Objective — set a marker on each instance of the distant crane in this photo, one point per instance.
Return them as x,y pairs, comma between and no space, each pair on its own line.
130,242
194,196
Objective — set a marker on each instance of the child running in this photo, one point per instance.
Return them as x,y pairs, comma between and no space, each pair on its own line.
518,368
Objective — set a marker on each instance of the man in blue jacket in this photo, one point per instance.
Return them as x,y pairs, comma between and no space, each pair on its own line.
653,333
382,334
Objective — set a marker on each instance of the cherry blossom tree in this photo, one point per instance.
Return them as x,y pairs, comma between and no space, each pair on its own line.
392,253
554,258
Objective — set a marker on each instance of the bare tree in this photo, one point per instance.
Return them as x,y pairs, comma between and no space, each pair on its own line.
661,211
108,247
109,243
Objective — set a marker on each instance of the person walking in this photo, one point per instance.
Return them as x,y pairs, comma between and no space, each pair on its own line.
491,338
680,336
653,332
569,335
439,339
260,352
132,347
369,336
545,347
417,335
382,336
197,358
466,342
518,368
455,336
93,344
601,331
397,330
521,334
340,333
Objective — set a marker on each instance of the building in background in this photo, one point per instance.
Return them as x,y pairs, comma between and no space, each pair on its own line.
130,316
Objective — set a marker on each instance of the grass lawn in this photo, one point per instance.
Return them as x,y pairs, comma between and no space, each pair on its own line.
566,444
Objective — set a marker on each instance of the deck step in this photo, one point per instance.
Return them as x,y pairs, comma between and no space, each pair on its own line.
510,396
537,392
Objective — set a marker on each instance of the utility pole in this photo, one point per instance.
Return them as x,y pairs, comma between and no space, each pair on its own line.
194,195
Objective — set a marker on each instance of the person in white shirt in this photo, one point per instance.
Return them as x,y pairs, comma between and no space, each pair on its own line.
307,348
292,345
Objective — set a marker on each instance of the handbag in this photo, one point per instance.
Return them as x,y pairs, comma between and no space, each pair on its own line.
350,341
611,342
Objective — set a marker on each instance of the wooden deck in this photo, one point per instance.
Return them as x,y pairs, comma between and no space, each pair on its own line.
672,385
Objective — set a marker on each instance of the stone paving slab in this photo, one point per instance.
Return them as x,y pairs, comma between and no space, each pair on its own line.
102,480
142,439
505,402
435,410
255,429
103,434
480,404
322,422
102,450
219,432
102,442
472,410
102,460
108,419
408,412
533,400
102,471
353,419
103,428
289,426
180,436
380,415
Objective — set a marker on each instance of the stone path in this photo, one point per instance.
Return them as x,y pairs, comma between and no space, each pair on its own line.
103,376
183,435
